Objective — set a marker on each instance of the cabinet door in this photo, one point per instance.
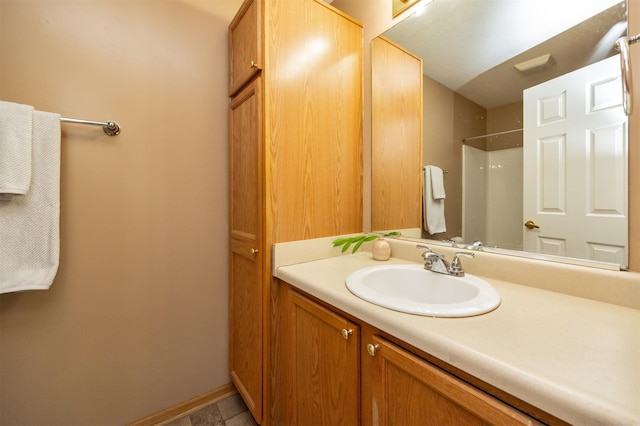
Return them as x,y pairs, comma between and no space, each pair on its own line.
406,390
324,365
245,164
314,131
396,144
246,303
245,45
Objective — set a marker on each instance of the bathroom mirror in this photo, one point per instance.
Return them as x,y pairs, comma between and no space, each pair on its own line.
502,170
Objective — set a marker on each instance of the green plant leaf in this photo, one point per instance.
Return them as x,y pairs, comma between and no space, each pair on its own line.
357,241
357,246
340,241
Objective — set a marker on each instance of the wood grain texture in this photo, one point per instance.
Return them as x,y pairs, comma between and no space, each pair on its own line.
408,390
246,284
245,45
313,99
245,334
245,154
369,412
304,177
396,138
325,365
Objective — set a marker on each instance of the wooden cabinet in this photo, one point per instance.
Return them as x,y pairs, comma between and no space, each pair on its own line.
295,159
324,379
396,137
404,389
245,40
320,376
246,292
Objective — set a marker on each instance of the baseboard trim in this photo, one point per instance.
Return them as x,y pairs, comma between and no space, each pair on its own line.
186,407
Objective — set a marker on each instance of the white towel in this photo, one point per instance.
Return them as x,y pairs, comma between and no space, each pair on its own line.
437,183
15,149
432,209
29,225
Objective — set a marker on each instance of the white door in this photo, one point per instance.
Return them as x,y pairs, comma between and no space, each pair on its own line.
575,165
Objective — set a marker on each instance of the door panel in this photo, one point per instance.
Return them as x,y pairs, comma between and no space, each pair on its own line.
407,390
575,169
246,288
325,365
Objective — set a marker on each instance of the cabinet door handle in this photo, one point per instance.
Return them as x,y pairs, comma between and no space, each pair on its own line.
346,333
254,251
254,64
372,348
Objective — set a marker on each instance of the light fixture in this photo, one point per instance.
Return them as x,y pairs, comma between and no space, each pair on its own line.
536,64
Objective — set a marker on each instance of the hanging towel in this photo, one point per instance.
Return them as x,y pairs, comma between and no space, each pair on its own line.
437,183
15,149
432,208
29,225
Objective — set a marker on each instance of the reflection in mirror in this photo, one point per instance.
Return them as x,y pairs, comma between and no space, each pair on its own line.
523,109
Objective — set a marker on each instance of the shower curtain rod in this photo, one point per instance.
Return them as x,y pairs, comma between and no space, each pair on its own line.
491,134
111,128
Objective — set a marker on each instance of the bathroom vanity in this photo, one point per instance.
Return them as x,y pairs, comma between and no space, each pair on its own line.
544,355
326,356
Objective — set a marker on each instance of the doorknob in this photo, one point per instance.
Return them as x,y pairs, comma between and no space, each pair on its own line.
531,224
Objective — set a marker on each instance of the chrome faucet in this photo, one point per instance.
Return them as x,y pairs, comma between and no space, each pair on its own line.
436,262
476,245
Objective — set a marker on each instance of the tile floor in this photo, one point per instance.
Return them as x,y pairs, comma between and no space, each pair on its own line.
229,412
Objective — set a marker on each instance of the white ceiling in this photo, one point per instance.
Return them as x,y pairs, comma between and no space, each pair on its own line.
462,40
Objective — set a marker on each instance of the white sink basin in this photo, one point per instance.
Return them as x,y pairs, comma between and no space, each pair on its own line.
412,289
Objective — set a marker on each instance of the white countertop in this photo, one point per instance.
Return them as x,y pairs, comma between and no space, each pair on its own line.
575,358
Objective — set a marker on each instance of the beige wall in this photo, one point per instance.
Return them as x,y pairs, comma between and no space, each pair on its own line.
376,17
448,117
504,118
136,320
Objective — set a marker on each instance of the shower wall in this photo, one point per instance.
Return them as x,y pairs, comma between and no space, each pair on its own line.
492,197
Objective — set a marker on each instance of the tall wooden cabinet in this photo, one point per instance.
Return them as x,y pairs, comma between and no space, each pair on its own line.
396,137
295,159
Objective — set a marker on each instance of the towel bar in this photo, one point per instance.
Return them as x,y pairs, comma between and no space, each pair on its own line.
622,44
111,128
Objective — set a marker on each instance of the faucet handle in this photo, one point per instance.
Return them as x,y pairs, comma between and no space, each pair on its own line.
422,246
451,241
425,254
456,267
476,245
